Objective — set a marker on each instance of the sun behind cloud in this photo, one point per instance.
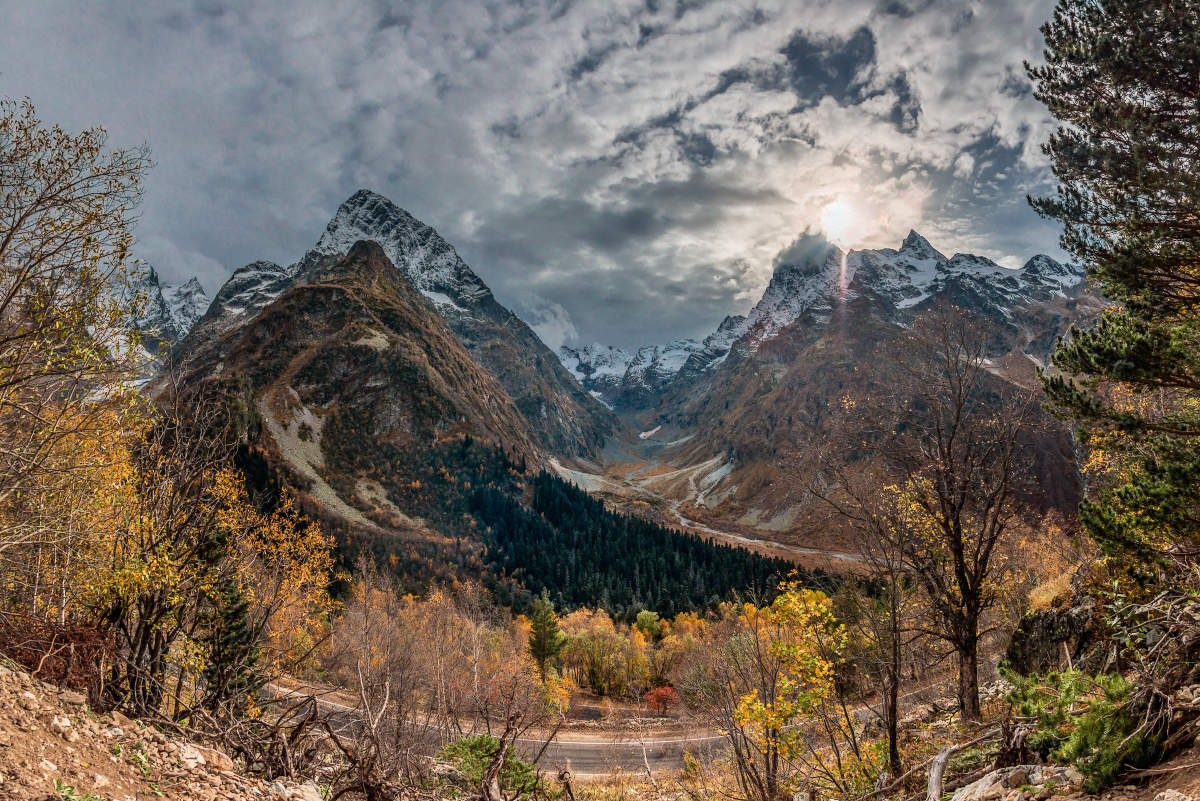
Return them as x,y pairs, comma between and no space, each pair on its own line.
845,223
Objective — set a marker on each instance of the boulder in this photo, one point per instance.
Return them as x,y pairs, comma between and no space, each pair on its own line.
1004,782
1042,638
190,756
305,792
1172,795
219,760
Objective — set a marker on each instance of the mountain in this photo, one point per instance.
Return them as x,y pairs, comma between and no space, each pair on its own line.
626,379
720,432
812,279
169,312
353,375
562,415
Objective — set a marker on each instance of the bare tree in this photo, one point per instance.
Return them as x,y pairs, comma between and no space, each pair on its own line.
881,608
959,440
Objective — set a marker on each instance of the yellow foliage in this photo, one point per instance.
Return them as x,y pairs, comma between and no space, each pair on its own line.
799,630
284,565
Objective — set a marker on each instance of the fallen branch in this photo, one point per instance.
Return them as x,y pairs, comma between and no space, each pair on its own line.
933,791
646,762
1147,773
916,768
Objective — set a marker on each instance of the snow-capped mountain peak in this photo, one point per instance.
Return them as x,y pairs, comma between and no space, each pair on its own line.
417,250
917,247
167,312
188,302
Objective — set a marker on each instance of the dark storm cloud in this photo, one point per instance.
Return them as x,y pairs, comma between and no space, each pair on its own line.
625,171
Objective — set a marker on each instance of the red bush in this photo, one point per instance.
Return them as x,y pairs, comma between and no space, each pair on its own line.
662,699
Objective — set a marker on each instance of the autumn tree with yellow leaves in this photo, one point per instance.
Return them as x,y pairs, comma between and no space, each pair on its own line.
66,350
119,515
764,678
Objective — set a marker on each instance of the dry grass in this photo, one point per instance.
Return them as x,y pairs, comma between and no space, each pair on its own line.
1044,595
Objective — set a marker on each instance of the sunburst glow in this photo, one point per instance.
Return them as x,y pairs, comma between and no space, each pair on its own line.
844,223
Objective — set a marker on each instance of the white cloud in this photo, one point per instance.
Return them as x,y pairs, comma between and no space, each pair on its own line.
551,323
579,152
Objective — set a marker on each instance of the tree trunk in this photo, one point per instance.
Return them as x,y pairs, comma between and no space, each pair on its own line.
968,681
891,713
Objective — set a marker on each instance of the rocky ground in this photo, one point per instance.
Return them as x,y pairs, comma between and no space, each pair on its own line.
1176,780
53,748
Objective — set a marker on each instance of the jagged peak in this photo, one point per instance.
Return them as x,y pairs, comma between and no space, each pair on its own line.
732,322
260,266
416,249
1045,265
916,245
193,285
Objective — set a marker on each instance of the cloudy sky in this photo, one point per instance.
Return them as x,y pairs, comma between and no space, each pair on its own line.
616,170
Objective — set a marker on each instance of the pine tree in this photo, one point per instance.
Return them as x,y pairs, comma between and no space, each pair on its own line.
1123,76
546,640
230,673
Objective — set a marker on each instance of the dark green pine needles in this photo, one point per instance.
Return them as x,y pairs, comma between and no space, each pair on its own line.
1123,77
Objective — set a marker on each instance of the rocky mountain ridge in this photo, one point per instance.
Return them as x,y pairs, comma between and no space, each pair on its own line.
814,278
563,417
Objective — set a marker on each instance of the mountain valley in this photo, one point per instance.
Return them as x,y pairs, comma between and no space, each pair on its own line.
355,356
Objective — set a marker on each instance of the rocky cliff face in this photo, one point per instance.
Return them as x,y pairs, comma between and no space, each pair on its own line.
352,373
560,414
169,311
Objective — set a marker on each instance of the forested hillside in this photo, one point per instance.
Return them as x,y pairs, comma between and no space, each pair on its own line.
524,533
569,545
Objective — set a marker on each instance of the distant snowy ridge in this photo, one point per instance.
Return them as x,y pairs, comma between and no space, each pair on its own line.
168,311
815,277
614,373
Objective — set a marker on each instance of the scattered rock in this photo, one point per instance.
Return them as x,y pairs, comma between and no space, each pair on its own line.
1018,778
47,767
919,714
217,759
99,780
1172,795
61,725
27,700
72,697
